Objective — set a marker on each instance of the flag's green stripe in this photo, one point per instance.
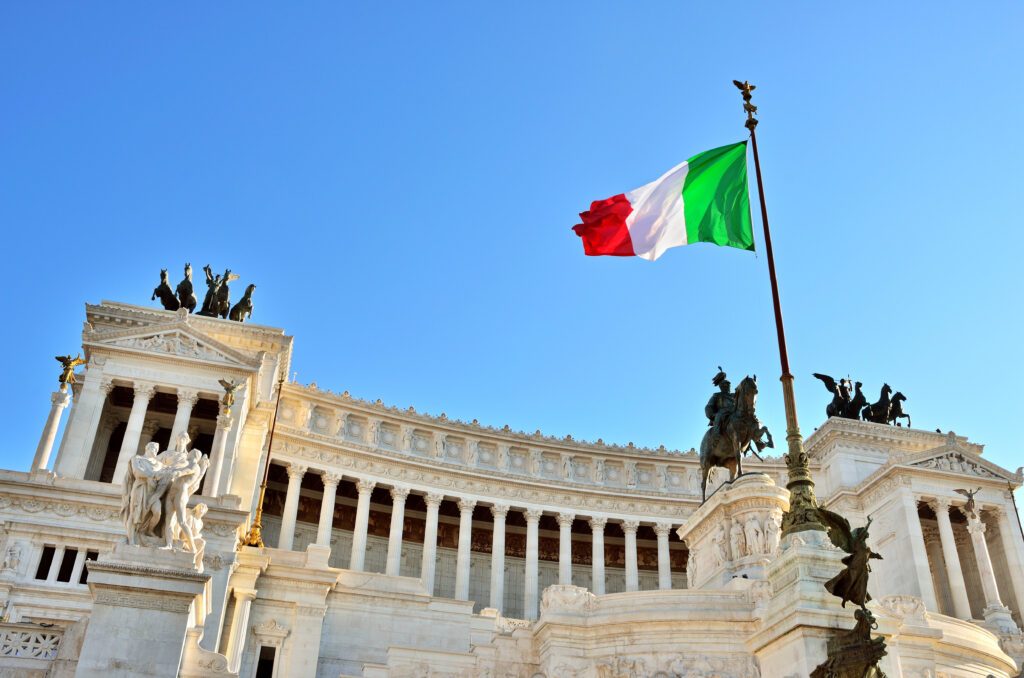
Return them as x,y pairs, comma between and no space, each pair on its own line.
715,198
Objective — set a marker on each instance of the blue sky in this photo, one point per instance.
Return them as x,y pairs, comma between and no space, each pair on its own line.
400,181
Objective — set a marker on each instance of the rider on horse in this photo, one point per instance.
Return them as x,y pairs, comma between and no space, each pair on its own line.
721,404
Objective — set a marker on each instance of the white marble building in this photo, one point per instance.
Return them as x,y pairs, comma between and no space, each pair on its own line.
404,545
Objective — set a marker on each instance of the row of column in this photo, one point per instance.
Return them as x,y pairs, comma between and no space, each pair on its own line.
462,572
954,571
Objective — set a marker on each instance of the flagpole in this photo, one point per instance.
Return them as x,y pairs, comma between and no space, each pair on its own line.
802,514
254,537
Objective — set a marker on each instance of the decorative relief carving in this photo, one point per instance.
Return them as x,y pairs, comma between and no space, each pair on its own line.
956,462
567,598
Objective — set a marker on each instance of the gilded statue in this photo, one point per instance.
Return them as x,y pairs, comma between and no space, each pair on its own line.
734,428
67,371
229,386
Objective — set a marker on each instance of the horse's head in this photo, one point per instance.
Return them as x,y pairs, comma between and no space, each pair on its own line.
886,390
188,271
746,392
249,289
899,397
163,275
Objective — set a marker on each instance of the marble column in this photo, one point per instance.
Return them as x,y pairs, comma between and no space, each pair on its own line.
394,561
358,558
988,576
954,572
530,585
429,563
58,401
149,430
664,562
565,547
186,401
291,507
918,552
462,561
597,524
629,527
499,511
1010,535
239,627
211,486
326,525
100,447
143,393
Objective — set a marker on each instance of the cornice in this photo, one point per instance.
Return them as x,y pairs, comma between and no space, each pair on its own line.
907,440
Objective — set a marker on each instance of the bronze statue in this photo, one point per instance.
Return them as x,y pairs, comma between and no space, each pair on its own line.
229,391
852,583
879,412
896,409
166,294
243,309
222,305
854,653
970,508
734,427
67,372
213,284
186,294
843,405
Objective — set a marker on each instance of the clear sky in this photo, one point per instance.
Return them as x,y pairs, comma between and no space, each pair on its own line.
400,180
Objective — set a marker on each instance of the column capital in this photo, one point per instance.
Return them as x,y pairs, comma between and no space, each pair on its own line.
566,519
151,427
533,515
60,399
399,493
243,595
597,523
997,510
940,504
499,511
106,386
365,486
467,505
224,421
662,529
975,526
296,471
143,391
433,499
187,397
630,526
330,479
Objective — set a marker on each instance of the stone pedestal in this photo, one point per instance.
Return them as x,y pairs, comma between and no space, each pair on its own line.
144,601
735,533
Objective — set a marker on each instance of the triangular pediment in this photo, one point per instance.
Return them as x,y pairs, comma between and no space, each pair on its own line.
958,458
177,339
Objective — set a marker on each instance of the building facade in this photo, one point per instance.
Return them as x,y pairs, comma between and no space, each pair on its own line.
400,544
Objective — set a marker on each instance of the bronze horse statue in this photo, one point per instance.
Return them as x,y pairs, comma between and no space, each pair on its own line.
166,294
879,412
741,429
243,309
896,409
186,294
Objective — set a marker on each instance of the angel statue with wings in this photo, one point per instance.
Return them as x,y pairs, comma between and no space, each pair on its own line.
852,583
67,369
230,386
970,508
844,404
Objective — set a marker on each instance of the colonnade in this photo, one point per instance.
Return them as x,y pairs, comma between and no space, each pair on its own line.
466,505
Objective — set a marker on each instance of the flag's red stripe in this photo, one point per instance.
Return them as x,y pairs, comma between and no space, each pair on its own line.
604,228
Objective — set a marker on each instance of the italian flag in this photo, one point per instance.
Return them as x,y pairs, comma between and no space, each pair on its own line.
704,199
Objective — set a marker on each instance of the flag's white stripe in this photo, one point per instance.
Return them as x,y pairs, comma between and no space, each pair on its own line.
657,222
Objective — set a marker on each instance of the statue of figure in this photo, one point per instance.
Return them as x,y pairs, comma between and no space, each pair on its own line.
12,559
879,412
67,369
503,458
213,283
157,487
772,532
631,474
439,445
970,508
407,435
230,386
896,409
536,463
718,541
734,427
754,535
373,433
851,584
243,309
166,294
567,467
222,303
736,540
186,294
194,525
843,405
599,473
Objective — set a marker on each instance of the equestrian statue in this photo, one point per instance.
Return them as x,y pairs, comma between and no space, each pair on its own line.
216,301
887,410
733,429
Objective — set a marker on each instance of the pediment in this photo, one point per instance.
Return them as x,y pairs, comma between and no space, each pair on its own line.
177,339
955,458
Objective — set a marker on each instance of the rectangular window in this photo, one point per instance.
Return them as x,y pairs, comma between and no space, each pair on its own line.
89,555
45,561
265,665
67,564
